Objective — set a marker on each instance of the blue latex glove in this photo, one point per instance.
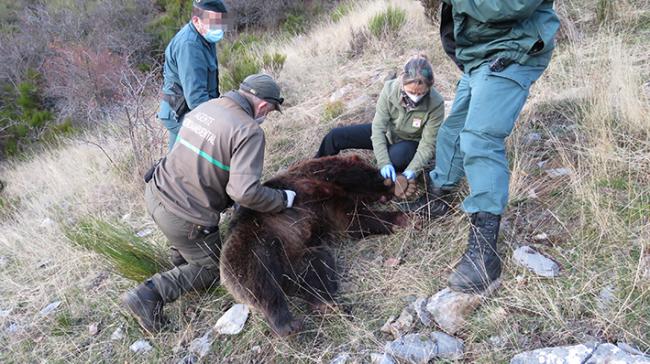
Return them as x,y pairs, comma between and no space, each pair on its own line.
388,171
409,174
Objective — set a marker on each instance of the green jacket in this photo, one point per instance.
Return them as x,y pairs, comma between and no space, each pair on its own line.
521,31
392,124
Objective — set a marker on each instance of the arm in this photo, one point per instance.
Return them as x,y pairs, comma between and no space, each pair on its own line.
380,127
244,186
193,74
495,11
427,144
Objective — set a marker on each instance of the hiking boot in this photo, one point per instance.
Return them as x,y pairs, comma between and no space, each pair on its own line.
480,265
176,257
434,203
146,305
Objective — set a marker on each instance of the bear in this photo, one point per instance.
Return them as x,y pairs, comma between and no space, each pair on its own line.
267,257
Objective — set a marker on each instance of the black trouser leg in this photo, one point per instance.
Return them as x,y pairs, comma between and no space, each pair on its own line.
347,137
402,153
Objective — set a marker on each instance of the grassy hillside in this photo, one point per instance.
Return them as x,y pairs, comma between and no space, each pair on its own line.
588,114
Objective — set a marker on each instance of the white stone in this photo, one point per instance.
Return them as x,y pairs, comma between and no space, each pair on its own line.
606,297
202,345
558,172
420,307
449,308
527,257
644,266
47,222
412,348
447,347
340,359
377,358
532,138
232,322
12,328
631,349
50,308
540,237
611,354
93,329
4,261
5,313
558,355
402,325
532,194
118,334
141,346
144,232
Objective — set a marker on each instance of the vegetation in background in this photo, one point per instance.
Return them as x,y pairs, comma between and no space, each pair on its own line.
129,255
387,24
341,10
332,110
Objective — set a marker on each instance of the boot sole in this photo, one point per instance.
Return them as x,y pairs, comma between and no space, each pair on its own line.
131,302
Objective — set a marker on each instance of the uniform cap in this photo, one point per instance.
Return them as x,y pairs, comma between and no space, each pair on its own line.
264,87
211,5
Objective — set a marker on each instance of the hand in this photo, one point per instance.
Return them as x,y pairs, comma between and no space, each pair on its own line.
388,171
290,197
409,174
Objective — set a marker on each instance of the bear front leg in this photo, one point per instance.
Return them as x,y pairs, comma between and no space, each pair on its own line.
318,283
368,222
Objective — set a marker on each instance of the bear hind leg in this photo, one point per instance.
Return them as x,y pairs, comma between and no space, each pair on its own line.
318,283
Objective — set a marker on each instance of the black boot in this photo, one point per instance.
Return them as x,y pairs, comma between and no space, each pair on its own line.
434,203
176,257
480,265
146,305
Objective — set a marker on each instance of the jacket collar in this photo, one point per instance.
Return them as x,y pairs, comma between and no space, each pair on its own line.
193,28
241,101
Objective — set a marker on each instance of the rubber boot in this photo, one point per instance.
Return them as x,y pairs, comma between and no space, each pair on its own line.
480,265
146,305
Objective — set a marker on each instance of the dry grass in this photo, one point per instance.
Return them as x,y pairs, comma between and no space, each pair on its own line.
590,107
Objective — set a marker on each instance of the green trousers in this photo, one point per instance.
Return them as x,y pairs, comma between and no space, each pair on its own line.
198,245
471,141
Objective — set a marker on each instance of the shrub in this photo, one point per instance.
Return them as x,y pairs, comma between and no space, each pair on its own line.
273,63
388,23
295,23
333,110
236,61
431,8
340,11
129,255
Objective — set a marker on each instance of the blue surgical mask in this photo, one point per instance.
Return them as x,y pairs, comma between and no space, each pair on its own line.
214,35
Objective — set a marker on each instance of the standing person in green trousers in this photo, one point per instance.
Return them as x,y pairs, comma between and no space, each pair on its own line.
502,47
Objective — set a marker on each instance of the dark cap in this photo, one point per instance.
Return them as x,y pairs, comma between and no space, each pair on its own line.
264,87
211,5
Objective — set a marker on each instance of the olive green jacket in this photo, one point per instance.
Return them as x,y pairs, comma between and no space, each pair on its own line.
521,31
393,123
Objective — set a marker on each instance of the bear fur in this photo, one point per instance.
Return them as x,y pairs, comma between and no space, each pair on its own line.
268,257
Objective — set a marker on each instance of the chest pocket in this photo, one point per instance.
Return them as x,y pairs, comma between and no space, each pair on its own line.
414,122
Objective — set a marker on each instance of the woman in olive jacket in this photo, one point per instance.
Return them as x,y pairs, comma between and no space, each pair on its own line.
404,129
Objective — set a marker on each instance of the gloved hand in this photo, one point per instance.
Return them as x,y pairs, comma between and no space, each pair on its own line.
290,195
388,171
409,174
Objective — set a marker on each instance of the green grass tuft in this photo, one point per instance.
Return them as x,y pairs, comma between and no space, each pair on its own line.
129,255
387,24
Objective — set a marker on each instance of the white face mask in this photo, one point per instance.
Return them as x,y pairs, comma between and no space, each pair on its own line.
413,97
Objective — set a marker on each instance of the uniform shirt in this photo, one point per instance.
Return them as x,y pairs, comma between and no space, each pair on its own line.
394,123
217,158
191,62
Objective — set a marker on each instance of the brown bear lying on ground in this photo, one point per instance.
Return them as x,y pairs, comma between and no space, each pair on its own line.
268,257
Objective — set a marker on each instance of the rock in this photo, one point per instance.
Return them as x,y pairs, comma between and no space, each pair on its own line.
93,329
558,172
450,308
43,263
558,355
387,326
376,358
47,222
606,297
232,322
140,347
402,325
540,237
610,353
527,257
341,93
12,328
118,334
420,307
256,349
532,194
591,353
4,261
202,345
413,348
541,164
631,349
50,308
447,347
644,267
392,262
126,217
340,359
5,313
189,359
532,138
144,232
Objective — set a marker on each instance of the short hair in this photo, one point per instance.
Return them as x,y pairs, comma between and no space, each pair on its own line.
418,70
198,12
